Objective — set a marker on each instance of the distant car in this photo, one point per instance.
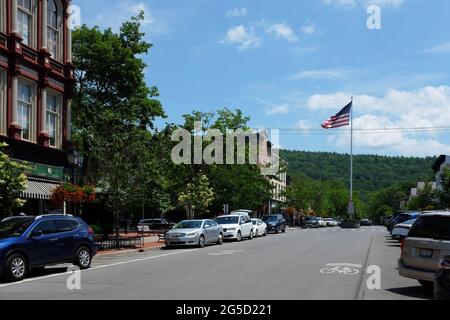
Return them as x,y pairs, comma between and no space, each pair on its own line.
331,222
275,222
427,243
442,280
28,243
400,231
259,227
402,217
236,226
311,222
322,222
365,222
161,225
194,233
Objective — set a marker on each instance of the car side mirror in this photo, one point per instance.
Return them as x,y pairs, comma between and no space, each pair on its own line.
35,234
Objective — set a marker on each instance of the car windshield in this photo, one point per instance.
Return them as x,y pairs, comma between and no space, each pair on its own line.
14,227
189,225
434,227
227,220
270,218
310,219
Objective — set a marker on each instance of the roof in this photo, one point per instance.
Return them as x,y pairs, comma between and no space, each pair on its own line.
436,213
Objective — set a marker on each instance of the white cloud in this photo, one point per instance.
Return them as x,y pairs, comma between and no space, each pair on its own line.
239,35
327,74
442,48
304,125
279,109
427,107
309,28
237,13
281,30
351,3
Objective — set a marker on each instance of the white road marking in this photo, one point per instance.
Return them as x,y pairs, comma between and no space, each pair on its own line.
95,268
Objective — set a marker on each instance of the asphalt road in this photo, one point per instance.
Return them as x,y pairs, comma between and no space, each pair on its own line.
280,266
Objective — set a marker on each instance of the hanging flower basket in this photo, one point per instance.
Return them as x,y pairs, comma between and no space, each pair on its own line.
68,192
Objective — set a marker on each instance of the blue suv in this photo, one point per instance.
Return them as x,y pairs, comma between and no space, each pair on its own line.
28,243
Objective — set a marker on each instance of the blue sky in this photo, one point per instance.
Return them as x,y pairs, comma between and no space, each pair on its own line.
291,64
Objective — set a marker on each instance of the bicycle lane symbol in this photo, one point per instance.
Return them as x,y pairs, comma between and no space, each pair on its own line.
348,269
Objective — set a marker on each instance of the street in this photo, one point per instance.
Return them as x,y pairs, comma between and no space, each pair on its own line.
277,267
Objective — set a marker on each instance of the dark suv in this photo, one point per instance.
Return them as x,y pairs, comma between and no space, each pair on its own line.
275,222
28,243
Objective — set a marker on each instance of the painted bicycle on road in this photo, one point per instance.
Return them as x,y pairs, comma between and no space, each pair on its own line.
347,269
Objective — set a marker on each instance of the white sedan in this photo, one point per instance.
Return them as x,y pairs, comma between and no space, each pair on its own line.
259,227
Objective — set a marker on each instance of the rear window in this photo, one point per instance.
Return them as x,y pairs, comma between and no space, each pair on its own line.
434,227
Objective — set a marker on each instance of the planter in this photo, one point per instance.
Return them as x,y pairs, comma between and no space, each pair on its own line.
350,225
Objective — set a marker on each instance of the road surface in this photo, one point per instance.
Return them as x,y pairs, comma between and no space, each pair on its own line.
277,267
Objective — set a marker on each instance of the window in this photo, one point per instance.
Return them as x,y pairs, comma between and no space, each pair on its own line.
53,119
46,227
2,15
25,20
53,38
3,124
25,109
63,226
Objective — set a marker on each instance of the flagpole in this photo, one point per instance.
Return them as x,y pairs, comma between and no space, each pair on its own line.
351,207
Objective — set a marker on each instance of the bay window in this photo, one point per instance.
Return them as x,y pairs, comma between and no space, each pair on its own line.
52,28
53,119
25,109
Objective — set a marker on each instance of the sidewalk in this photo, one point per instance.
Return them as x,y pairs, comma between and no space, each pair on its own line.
150,242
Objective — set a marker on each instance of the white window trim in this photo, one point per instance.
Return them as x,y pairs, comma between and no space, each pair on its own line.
33,31
3,102
59,31
59,118
33,112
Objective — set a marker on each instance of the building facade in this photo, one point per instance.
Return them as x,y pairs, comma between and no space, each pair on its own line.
441,162
36,81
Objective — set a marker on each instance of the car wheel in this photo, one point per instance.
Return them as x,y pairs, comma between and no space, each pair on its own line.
427,284
220,240
83,258
265,233
277,230
250,237
284,229
16,267
256,234
201,241
239,236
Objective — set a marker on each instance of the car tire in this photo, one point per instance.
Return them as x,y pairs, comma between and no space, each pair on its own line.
277,230
428,285
83,258
250,237
220,240
239,236
256,234
16,267
284,229
201,241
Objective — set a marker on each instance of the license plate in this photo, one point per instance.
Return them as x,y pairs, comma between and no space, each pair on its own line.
425,253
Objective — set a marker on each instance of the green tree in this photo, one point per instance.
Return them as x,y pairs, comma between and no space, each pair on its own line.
12,181
425,199
197,196
444,195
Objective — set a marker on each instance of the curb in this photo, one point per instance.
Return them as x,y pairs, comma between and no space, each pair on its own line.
128,251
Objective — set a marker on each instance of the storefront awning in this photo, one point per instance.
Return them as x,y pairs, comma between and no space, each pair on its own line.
38,190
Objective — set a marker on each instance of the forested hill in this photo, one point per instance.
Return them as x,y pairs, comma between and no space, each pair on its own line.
371,172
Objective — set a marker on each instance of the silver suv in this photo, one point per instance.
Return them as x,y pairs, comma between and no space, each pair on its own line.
427,243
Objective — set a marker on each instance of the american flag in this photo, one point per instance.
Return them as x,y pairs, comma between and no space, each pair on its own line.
341,119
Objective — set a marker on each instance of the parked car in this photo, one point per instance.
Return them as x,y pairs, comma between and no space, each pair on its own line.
310,222
161,225
259,227
331,222
400,231
275,222
28,243
322,222
236,226
402,217
194,233
442,280
365,222
427,243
